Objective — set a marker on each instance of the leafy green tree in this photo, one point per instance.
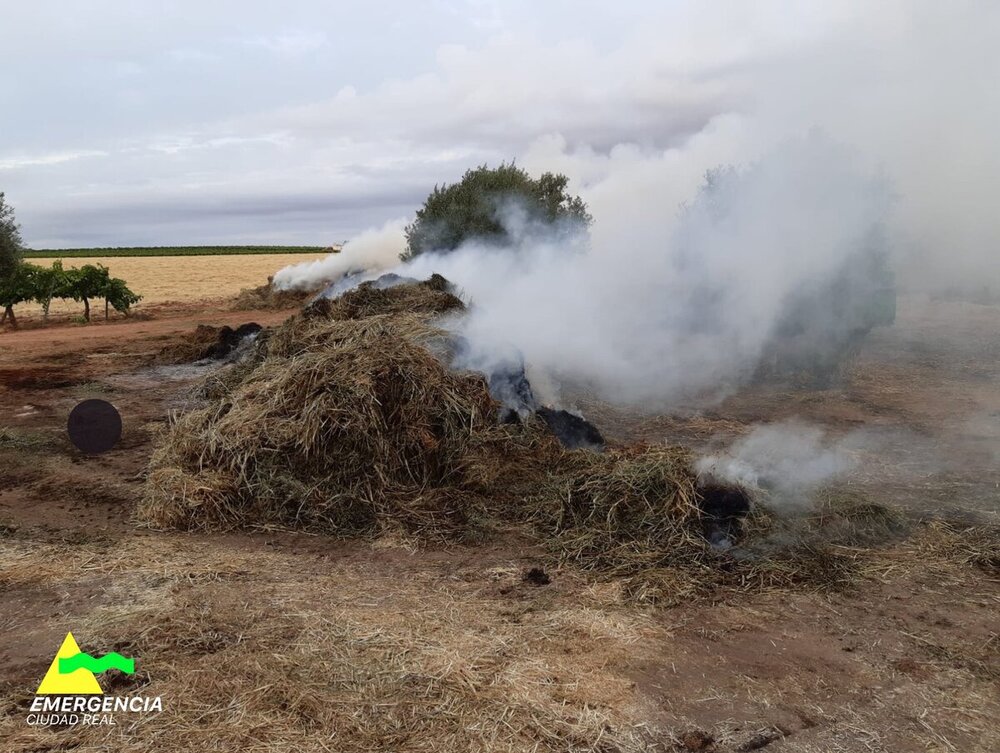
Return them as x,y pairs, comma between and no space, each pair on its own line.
482,203
86,283
11,246
51,282
17,287
29,282
117,294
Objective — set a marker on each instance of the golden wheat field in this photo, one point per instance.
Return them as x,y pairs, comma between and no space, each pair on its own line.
177,278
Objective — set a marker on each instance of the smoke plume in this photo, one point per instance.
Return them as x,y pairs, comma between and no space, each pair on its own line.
789,459
677,295
681,306
371,251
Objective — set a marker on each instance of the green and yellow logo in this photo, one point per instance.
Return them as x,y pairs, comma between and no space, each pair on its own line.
72,671
70,694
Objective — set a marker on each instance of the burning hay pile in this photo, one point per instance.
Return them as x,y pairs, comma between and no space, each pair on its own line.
347,419
341,426
341,421
267,297
208,343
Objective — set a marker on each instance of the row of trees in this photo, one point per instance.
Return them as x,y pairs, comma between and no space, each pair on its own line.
21,282
29,282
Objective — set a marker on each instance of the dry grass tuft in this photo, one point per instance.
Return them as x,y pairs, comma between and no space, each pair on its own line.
25,439
977,545
629,509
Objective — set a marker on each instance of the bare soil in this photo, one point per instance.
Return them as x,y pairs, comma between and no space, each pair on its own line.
274,640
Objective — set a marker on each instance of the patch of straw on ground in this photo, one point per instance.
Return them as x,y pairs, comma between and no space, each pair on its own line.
308,660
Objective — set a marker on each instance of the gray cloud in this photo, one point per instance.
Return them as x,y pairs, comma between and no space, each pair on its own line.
259,122
236,121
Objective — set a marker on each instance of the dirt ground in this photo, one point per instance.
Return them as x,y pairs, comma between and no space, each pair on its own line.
272,640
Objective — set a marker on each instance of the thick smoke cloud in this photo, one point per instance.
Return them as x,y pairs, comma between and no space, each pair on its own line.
679,307
684,303
668,305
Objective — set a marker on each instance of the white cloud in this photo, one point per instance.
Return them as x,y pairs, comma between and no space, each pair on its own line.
291,43
42,160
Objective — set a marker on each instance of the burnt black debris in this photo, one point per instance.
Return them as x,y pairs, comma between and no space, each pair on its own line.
505,377
510,386
575,432
229,339
536,576
723,509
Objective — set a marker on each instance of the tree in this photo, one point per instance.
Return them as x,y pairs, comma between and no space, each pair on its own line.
87,282
50,282
485,205
16,287
10,240
117,294
29,282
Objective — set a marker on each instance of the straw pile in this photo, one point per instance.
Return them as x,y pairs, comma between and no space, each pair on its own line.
266,297
348,420
352,424
206,342
189,347
432,296
342,421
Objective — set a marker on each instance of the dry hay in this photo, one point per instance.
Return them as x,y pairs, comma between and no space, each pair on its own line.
206,341
432,296
24,440
252,651
347,420
190,347
265,297
352,424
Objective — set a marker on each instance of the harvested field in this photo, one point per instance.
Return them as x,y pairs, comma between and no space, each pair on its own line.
159,279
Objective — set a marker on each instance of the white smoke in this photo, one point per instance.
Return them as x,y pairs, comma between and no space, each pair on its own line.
371,251
681,304
666,306
789,459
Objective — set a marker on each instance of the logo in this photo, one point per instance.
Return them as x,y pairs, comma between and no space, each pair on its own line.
72,671
70,693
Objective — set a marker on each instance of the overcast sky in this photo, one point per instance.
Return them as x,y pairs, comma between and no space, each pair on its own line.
305,122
